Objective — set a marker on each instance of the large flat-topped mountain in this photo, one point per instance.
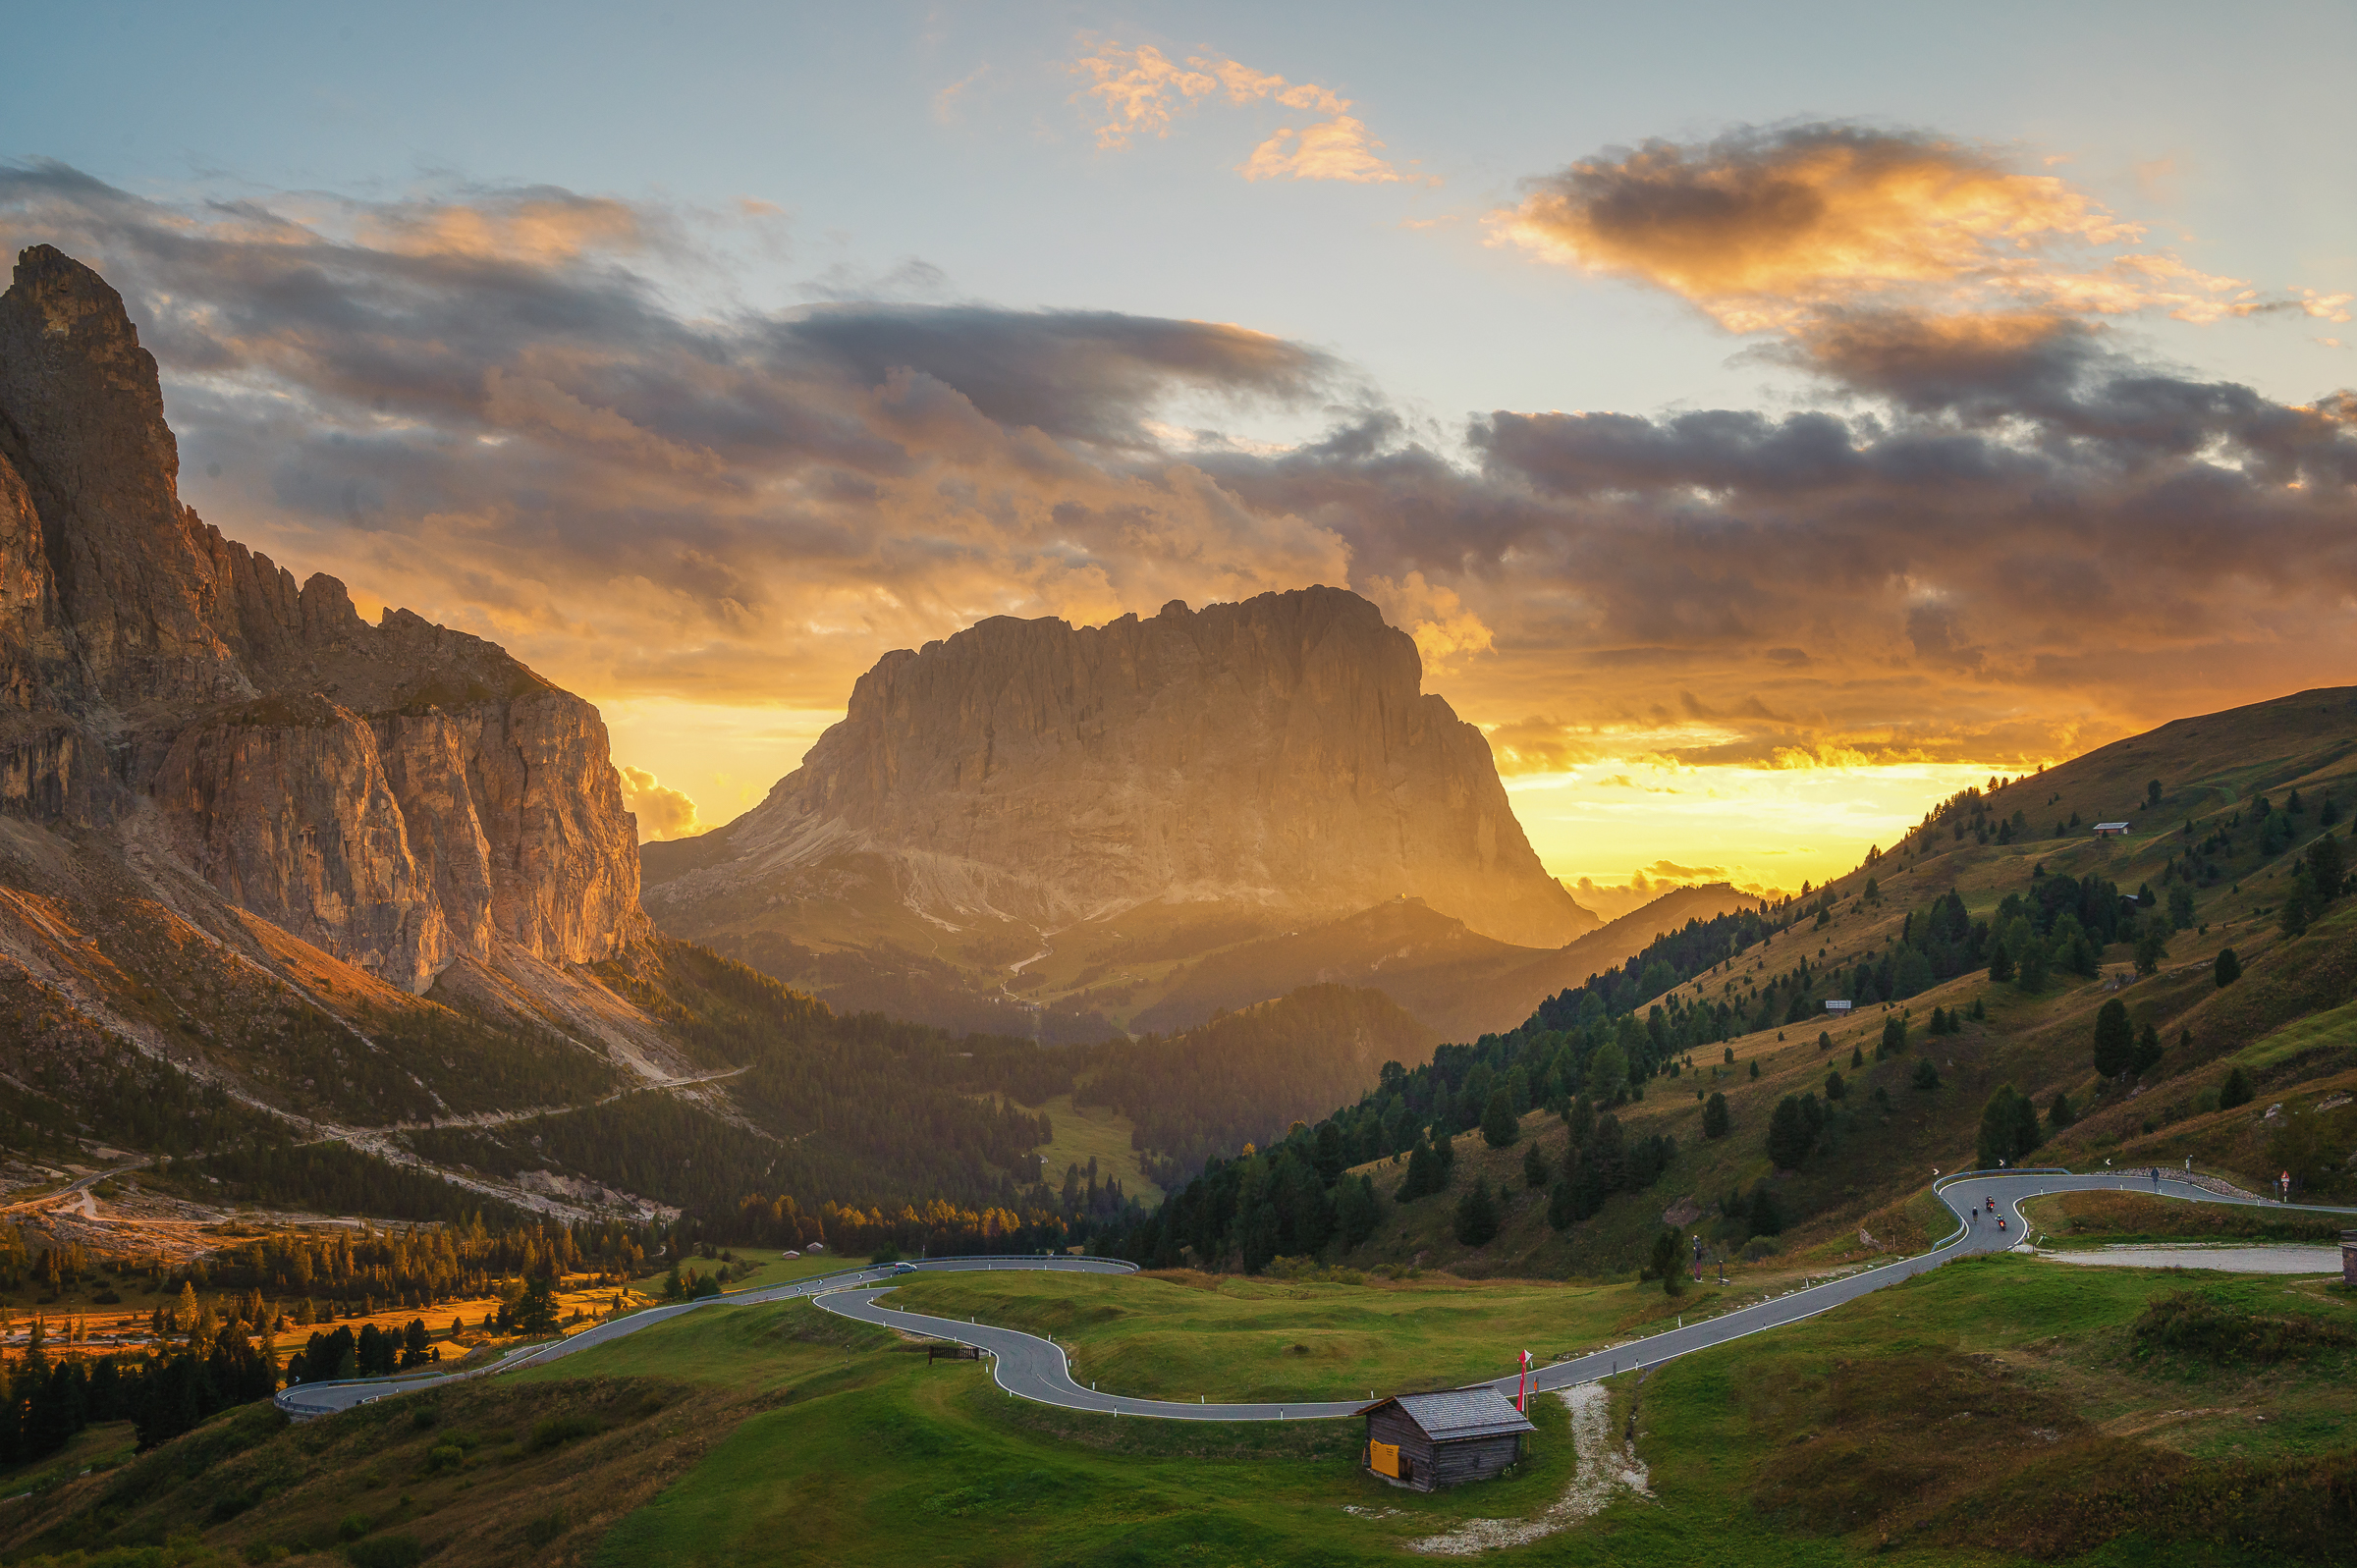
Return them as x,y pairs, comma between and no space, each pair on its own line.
400,796
1276,754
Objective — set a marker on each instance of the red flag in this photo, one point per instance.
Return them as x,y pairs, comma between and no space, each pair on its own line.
1519,1382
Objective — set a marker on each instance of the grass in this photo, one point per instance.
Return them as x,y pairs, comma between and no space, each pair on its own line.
527,1468
1182,1335
1999,1410
753,1347
2098,1218
1904,1426
2335,1028
1085,1132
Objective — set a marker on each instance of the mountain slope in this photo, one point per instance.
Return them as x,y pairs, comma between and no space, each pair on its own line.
1919,929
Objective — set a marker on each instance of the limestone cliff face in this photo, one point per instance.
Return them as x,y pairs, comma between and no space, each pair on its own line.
1278,752
400,795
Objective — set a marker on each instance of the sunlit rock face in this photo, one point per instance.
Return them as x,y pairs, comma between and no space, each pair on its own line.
400,795
1277,753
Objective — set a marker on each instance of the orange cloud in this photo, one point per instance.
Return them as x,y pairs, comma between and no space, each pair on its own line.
1774,231
1141,90
662,813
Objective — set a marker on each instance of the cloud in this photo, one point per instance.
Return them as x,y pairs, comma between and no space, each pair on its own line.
1781,230
2001,538
1444,631
1677,872
1141,91
662,813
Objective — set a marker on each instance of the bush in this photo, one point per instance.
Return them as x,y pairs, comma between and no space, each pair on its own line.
2229,968
2235,1091
1714,1120
386,1552
2194,1322
1759,1247
557,1431
546,1528
1927,1076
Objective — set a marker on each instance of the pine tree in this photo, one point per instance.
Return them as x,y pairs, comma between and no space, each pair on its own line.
1669,1261
1789,1135
1499,1125
1561,1203
1714,1120
1534,1167
2228,969
2115,1039
1477,1216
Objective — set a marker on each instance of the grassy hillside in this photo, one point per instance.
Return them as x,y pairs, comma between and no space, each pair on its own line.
2000,1411
1911,936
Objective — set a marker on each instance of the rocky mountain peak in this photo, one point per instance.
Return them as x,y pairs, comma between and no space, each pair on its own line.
401,795
1278,753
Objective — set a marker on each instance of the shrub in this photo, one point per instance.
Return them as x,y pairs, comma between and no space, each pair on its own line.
557,1431
1927,1076
546,1528
2235,1091
2194,1322
1715,1119
2229,968
386,1552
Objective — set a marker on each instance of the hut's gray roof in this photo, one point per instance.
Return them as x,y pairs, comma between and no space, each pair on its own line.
1477,1412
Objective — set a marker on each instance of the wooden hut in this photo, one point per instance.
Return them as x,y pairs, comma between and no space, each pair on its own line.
1444,1439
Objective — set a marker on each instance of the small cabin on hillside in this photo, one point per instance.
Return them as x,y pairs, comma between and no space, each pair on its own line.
1837,1006
2110,829
1426,1441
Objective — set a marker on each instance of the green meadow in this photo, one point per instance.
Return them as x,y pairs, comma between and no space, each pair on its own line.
1183,1335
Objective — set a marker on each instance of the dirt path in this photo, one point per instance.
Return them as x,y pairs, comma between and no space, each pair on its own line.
1600,1467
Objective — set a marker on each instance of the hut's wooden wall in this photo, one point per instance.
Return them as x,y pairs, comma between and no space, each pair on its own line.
1443,1464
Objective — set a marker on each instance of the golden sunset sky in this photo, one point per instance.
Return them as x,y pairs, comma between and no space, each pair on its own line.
1764,425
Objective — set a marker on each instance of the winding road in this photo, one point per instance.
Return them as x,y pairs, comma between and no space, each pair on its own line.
1032,1368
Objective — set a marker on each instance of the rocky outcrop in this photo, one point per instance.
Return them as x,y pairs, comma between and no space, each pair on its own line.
400,795
1277,753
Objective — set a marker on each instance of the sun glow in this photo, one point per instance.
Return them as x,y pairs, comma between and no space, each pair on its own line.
1767,830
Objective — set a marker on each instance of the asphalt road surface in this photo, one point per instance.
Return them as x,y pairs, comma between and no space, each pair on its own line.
1032,1367
326,1398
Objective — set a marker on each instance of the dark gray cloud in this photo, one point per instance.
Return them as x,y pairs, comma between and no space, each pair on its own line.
2000,535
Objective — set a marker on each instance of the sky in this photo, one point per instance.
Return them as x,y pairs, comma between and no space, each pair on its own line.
1766,422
